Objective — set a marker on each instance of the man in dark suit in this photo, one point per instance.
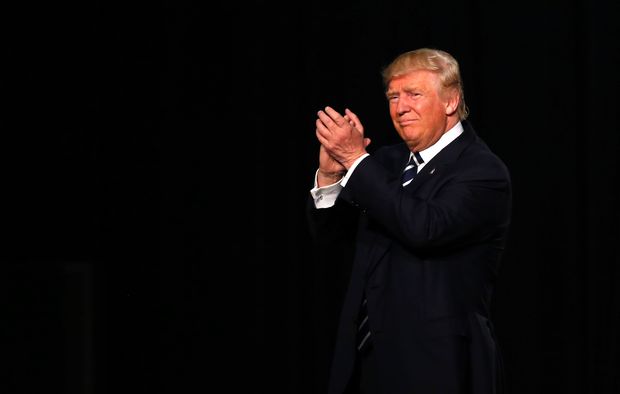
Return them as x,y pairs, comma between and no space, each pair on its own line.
430,218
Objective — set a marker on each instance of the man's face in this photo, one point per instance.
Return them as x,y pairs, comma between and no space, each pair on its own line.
419,113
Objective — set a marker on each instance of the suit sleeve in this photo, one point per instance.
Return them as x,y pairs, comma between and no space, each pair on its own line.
467,203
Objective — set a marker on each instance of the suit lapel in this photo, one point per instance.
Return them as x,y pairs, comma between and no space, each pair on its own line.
445,157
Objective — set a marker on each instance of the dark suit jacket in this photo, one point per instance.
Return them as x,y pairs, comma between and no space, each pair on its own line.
426,257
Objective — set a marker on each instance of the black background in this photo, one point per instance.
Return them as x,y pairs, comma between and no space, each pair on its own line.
157,158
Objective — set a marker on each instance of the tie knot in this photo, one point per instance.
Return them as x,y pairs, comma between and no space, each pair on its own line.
412,168
416,159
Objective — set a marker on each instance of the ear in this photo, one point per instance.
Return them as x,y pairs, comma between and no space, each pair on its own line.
452,103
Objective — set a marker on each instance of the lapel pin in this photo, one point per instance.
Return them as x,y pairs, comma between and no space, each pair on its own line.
432,171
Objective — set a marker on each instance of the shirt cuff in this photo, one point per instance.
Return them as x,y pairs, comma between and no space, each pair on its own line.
325,197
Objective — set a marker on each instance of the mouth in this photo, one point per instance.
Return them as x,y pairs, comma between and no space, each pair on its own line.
408,122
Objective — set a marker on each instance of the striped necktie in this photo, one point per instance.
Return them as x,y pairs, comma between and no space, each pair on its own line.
363,329
412,168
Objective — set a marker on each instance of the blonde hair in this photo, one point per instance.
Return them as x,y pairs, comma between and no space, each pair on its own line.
435,60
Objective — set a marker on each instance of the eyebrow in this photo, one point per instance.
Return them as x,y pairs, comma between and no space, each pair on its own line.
408,88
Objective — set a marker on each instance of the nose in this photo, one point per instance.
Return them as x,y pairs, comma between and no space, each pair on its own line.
402,107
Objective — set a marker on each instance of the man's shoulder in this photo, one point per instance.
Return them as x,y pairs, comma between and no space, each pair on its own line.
478,146
480,159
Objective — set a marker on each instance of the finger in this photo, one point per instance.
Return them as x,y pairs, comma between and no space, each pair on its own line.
351,122
321,128
353,117
335,115
322,140
327,121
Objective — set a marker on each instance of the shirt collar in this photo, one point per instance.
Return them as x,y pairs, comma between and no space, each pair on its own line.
447,137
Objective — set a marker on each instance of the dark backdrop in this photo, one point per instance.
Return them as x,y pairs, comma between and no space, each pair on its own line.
157,158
